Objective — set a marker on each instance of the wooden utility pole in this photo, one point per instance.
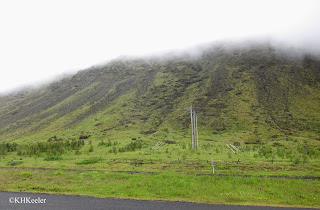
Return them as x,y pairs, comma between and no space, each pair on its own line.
196,133
194,128
191,113
212,164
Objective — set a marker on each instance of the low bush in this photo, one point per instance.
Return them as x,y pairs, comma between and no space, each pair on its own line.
89,161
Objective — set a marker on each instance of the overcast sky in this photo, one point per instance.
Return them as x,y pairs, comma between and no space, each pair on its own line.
40,39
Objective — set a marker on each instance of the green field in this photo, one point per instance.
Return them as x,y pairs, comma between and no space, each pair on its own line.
130,169
166,186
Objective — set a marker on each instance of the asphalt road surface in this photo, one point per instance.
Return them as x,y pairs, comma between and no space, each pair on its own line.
35,201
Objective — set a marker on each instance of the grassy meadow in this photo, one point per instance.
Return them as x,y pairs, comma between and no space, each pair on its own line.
125,166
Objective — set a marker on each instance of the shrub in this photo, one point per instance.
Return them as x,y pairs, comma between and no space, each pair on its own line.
108,144
53,158
101,143
265,151
89,161
51,148
132,146
297,159
91,148
7,147
280,152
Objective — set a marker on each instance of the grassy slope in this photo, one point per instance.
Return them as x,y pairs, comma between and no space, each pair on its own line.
247,96
249,91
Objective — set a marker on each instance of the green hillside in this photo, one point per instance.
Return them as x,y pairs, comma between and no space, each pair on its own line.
253,94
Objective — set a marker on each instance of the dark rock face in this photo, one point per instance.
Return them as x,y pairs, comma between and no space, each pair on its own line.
236,144
84,136
169,142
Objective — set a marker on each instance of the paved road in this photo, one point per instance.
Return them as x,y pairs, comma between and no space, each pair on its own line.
47,201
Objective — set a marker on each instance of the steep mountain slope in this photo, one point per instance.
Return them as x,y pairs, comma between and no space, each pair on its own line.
252,94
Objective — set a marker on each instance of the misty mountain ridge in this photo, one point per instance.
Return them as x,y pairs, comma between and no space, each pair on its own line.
255,93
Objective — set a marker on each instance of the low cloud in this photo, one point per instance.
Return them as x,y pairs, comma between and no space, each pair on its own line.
37,44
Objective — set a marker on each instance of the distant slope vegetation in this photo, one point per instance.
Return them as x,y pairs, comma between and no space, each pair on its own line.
251,92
